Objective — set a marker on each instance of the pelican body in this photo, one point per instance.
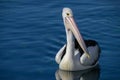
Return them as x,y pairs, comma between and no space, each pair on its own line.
77,53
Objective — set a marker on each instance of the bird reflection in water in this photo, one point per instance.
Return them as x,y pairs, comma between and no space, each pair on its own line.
90,74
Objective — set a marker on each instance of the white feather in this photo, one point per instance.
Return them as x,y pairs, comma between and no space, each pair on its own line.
93,51
59,54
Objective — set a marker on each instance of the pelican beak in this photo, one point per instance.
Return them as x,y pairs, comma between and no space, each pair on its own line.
69,21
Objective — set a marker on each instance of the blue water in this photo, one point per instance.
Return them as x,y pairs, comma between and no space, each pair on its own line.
32,31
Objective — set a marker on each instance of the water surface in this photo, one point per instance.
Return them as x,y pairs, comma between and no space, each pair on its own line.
32,31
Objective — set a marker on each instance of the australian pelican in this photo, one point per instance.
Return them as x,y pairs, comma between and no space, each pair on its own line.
77,53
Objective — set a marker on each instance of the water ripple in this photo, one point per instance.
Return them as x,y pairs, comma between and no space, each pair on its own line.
32,31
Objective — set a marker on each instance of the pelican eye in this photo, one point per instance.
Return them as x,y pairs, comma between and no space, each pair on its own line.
68,14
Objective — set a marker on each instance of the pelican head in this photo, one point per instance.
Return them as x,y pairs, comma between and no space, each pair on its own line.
70,25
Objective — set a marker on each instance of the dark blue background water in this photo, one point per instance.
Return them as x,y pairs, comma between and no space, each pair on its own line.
32,31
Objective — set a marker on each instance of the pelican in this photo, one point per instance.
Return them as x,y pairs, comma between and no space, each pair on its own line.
77,53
